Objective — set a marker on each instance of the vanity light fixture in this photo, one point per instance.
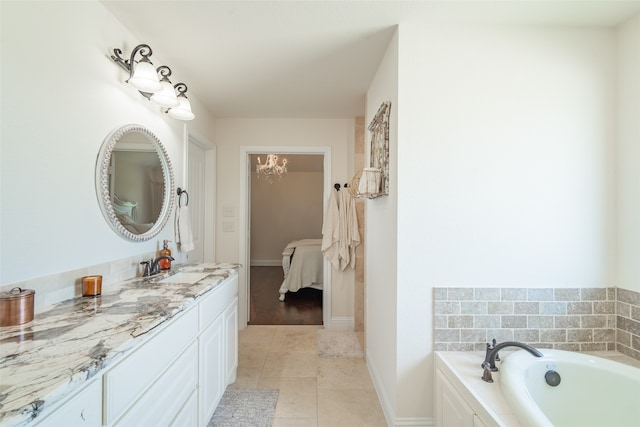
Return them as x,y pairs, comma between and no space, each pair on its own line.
271,168
165,97
183,110
144,77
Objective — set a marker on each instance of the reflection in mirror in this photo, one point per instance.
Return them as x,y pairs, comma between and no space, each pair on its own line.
134,182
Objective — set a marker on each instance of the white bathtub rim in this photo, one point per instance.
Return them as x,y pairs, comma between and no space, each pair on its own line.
514,386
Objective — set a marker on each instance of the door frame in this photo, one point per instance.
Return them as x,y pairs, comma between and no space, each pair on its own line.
210,186
244,228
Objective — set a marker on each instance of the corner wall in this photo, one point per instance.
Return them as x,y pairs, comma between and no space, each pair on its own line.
628,159
380,252
505,178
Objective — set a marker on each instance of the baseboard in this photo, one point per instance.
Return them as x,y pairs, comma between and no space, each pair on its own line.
385,403
340,323
415,422
387,408
266,262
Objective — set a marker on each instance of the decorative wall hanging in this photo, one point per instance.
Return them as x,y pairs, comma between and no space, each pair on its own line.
373,181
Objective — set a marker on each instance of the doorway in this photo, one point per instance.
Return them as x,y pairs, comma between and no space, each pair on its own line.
245,229
200,182
285,210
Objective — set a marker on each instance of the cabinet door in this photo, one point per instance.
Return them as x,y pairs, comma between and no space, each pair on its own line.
128,380
231,341
451,408
188,416
211,376
164,400
84,409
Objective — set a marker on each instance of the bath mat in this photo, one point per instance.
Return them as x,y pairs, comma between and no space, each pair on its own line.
245,408
338,344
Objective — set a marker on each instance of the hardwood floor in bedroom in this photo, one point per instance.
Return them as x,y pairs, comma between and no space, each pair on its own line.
299,308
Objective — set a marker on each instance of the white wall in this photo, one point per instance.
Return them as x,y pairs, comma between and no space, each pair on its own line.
290,208
61,96
629,155
505,175
381,256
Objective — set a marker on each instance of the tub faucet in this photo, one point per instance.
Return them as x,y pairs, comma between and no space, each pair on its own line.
489,363
151,267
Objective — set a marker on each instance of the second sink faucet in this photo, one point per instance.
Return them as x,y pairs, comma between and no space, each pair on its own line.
489,363
151,267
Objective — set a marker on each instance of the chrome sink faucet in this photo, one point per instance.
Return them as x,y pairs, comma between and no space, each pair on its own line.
151,267
489,363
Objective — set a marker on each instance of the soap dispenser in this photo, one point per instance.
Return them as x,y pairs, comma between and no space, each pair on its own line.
164,263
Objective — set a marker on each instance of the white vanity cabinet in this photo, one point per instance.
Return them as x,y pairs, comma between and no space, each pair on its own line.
176,377
218,346
130,383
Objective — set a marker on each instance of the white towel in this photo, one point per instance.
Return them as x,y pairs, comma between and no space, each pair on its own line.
354,234
184,236
345,238
331,232
340,234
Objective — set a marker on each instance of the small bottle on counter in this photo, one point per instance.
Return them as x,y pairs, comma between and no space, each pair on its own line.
165,264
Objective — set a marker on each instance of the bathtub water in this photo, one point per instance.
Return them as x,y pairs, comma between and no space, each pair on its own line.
592,391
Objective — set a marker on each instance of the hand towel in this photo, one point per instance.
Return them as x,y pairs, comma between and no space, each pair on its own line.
184,236
331,232
344,232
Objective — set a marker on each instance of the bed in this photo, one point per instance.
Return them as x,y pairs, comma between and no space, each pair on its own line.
302,265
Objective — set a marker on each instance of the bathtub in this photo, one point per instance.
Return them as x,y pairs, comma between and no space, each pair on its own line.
592,391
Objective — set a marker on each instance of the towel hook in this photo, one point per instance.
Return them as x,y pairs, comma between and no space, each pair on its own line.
180,193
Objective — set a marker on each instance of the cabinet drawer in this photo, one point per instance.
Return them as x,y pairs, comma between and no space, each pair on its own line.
216,300
188,415
83,409
167,396
126,382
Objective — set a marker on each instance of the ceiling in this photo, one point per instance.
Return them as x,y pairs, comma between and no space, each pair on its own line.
308,58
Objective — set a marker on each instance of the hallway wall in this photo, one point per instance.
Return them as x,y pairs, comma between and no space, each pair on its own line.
232,134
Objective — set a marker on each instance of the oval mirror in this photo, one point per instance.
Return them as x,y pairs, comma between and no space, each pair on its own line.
134,183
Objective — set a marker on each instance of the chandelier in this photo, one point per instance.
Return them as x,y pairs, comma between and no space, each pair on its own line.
270,168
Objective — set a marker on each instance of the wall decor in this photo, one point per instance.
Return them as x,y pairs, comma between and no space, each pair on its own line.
379,154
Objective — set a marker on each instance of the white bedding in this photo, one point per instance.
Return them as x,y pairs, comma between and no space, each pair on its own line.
304,268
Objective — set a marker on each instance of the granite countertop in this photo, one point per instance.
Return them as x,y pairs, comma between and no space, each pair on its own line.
66,345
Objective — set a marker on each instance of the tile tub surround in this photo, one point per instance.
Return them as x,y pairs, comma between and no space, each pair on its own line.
44,360
575,319
628,322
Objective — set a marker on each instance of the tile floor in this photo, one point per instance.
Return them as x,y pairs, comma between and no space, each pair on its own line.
313,391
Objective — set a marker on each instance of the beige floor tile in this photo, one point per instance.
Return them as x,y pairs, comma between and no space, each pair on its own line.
296,338
248,377
297,398
252,355
344,374
291,364
295,422
349,408
257,334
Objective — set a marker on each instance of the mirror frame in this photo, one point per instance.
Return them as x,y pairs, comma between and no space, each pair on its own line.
102,183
